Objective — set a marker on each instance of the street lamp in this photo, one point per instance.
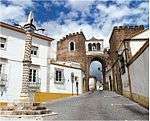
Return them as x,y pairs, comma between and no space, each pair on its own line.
29,28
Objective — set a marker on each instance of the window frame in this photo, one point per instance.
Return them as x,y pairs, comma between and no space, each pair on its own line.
98,46
61,79
32,74
35,49
70,46
89,46
5,43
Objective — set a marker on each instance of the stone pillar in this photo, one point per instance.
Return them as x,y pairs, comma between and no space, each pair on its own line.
26,67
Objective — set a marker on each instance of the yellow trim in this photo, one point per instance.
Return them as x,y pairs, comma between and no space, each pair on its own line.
140,99
3,104
127,94
45,96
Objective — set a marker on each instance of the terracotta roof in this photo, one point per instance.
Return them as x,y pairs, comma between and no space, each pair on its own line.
8,26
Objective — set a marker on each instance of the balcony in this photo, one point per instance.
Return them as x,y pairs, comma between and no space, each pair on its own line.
3,79
34,86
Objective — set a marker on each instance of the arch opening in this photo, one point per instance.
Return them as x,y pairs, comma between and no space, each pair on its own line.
98,46
89,47
96,71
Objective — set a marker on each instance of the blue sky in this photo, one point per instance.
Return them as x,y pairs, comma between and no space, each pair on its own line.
61,17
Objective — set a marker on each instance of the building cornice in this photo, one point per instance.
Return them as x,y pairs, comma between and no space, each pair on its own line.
63,65
14,28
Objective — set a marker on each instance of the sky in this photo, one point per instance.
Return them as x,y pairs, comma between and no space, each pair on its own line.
61,17
96,70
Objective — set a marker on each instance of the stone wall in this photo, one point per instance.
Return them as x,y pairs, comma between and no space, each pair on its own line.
78,55
139,75
118,35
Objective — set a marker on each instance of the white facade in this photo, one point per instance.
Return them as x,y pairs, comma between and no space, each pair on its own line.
11,58
94,46
139,74
136,44
135,79
65,85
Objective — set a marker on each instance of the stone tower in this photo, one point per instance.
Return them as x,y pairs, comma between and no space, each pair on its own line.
72,48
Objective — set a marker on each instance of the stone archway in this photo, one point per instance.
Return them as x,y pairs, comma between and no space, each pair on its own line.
101,59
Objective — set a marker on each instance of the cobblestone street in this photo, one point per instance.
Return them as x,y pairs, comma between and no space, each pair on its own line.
98,106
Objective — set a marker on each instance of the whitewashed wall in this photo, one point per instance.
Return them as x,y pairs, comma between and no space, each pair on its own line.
87,42
139,74
67,86
135,45
13,57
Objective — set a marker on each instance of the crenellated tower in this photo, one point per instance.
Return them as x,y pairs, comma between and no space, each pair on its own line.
72,48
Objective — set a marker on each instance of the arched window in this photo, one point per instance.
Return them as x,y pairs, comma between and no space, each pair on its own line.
72,46
98,46
94,47
89,47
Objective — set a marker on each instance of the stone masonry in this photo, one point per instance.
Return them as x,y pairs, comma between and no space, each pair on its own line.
26,65
78,55
118,35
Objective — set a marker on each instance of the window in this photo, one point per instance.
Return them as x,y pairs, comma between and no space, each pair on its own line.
98,46
89,47
59,76
2,43
94,47
33,75
34,51
2,68
72,46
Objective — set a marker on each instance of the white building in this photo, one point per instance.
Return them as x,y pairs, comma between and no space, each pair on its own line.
135,75
94,46
66,77
12,41
12,47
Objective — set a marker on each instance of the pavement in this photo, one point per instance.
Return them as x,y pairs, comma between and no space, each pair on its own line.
100,105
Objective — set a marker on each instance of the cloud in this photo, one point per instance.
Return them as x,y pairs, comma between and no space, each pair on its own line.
80,5
15,11
12,13
94,17
58,31
22,3
114,11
